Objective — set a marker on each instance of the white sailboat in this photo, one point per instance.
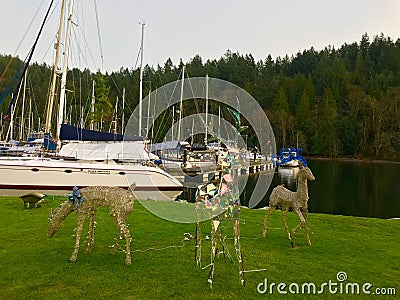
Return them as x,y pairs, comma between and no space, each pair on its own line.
87,163
105,166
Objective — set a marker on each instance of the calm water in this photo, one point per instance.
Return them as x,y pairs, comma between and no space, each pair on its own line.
345,188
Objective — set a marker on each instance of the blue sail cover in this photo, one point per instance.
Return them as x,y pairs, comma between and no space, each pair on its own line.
293,154
48,142
72,133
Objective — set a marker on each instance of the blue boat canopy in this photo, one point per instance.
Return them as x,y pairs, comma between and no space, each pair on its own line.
72,133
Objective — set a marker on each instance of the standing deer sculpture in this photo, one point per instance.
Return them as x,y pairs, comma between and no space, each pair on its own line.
86,202
298,201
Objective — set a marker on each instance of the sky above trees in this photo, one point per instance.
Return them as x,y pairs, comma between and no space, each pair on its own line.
181,29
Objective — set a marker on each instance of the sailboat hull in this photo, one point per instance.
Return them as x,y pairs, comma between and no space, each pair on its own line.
58,177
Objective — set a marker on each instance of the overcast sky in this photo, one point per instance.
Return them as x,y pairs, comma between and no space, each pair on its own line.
182,29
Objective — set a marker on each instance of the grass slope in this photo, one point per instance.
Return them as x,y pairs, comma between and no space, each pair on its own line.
35,267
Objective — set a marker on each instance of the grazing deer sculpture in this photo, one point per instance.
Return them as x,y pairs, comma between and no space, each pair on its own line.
298,201
86,202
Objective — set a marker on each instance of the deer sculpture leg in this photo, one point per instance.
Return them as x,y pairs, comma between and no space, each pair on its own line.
268,213
225,250
124,230
80,221
222,240
306,231
115,246
214,226
120,222
303,215
236,236
197,249
92,220
284,221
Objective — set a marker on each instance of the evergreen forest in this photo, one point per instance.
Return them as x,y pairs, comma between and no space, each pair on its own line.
342,102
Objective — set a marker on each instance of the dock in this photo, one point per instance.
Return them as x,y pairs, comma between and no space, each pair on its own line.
192,180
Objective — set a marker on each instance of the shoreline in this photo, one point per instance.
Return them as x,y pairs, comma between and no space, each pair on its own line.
374,161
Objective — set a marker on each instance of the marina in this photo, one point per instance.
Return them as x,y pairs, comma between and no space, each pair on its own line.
73,156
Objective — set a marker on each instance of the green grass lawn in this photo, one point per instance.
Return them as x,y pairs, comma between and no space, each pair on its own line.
33,266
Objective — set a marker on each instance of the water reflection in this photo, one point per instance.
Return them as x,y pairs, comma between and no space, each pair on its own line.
344,187
288,177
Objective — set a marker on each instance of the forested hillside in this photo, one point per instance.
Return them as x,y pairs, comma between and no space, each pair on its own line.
334,102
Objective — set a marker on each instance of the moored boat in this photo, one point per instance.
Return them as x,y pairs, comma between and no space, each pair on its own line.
92,164
289,158
115,162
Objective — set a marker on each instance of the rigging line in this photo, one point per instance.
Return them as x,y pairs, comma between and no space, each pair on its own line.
98,34
77,55
154,120
52,42
86,47
82,34
137,58
15,77
7,91
20,43
81,26
168,104
47,51
28,61
77,90
86,108
32,96
196,104
165,99
119,92
73,97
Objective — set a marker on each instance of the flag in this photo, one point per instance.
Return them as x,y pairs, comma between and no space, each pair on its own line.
236,114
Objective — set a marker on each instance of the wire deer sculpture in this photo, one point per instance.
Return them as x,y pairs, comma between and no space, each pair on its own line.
222,204
86,203
298,201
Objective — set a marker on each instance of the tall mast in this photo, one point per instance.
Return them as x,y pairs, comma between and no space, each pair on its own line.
13,107
82,122
123,112
141,81
92,107
64,72
11,127
116,116
50,101
205,137
219,123
21,128
30,119
152,119
192,135
148,114
181,104
172,125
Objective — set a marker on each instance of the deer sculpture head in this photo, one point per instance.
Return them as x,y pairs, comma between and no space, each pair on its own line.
57,216
305,172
